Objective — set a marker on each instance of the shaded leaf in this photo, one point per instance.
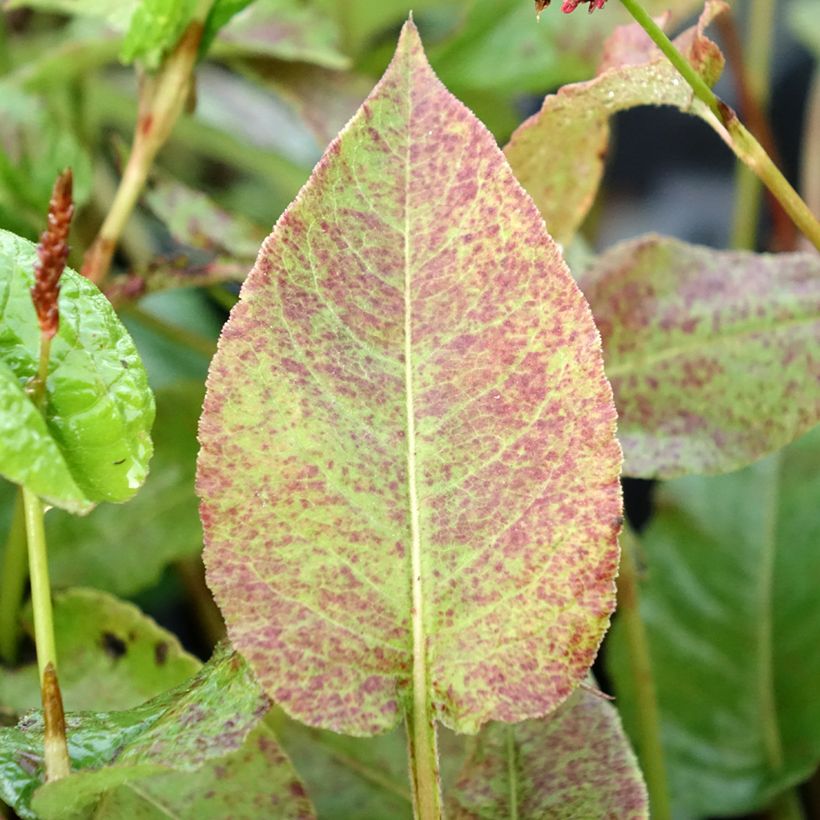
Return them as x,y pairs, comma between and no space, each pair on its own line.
112,656
574,763
98,409
730,605
412,278
178,731
124,549
286,30
116,14
558,154
714,356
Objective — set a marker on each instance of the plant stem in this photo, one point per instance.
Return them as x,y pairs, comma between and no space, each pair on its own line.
13,581
56,749
649,747
786,807
162,99
726,122
422,749
512,773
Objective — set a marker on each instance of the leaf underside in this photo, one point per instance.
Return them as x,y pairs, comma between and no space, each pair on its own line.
411,379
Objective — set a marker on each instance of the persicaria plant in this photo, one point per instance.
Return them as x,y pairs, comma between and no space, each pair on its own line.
408,450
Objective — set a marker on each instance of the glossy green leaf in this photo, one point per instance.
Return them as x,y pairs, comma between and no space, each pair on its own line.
178,731
714,356
99,409
286,30
730,603
575,763
124,549
558,154
111,657
407,432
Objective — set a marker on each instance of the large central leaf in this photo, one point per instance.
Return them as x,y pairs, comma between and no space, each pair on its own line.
408,471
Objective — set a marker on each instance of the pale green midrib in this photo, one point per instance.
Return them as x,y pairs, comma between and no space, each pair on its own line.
512,773
704,345
765,677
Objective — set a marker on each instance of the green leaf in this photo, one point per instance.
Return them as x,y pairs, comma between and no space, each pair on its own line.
714,356
155,28
286,30
558,154
574,763
804,22
124,549
730,605
99,409
112,656
178,731
115,14
407,435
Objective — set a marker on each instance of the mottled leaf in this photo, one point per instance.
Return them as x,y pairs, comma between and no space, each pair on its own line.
558,154
112,656
124,549
407,432
178,731
575,763
98,408
714,356
729,600
286,30
255,782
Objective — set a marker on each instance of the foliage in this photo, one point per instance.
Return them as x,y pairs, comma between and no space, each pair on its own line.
406,455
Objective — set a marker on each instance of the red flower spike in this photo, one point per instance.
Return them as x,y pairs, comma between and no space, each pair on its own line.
570,5
52,253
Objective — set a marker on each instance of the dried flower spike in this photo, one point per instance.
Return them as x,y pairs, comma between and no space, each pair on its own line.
52,253
540,5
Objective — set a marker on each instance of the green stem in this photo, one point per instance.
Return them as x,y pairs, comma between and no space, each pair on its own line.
422,748
787,807
162,100
56,758
756,69
512,773
13,582
725,121
648,741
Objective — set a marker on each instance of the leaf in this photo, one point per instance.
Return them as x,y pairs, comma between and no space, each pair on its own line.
574,763
286,30
411,278
124,549
256,781
714,356
730,605
178,731
558,154
115,14
803,22
154,29
98,410
112,656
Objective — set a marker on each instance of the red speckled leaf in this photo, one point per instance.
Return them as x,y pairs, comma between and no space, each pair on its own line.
574,764
408,465
558,153
714,356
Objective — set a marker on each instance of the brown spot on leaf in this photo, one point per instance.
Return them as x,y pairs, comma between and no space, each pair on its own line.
112,645
161,652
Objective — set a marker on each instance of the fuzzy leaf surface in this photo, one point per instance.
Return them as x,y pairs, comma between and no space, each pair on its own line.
714,356
178,731
730,606
558,154
112,656
411,377
99,408
574,763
